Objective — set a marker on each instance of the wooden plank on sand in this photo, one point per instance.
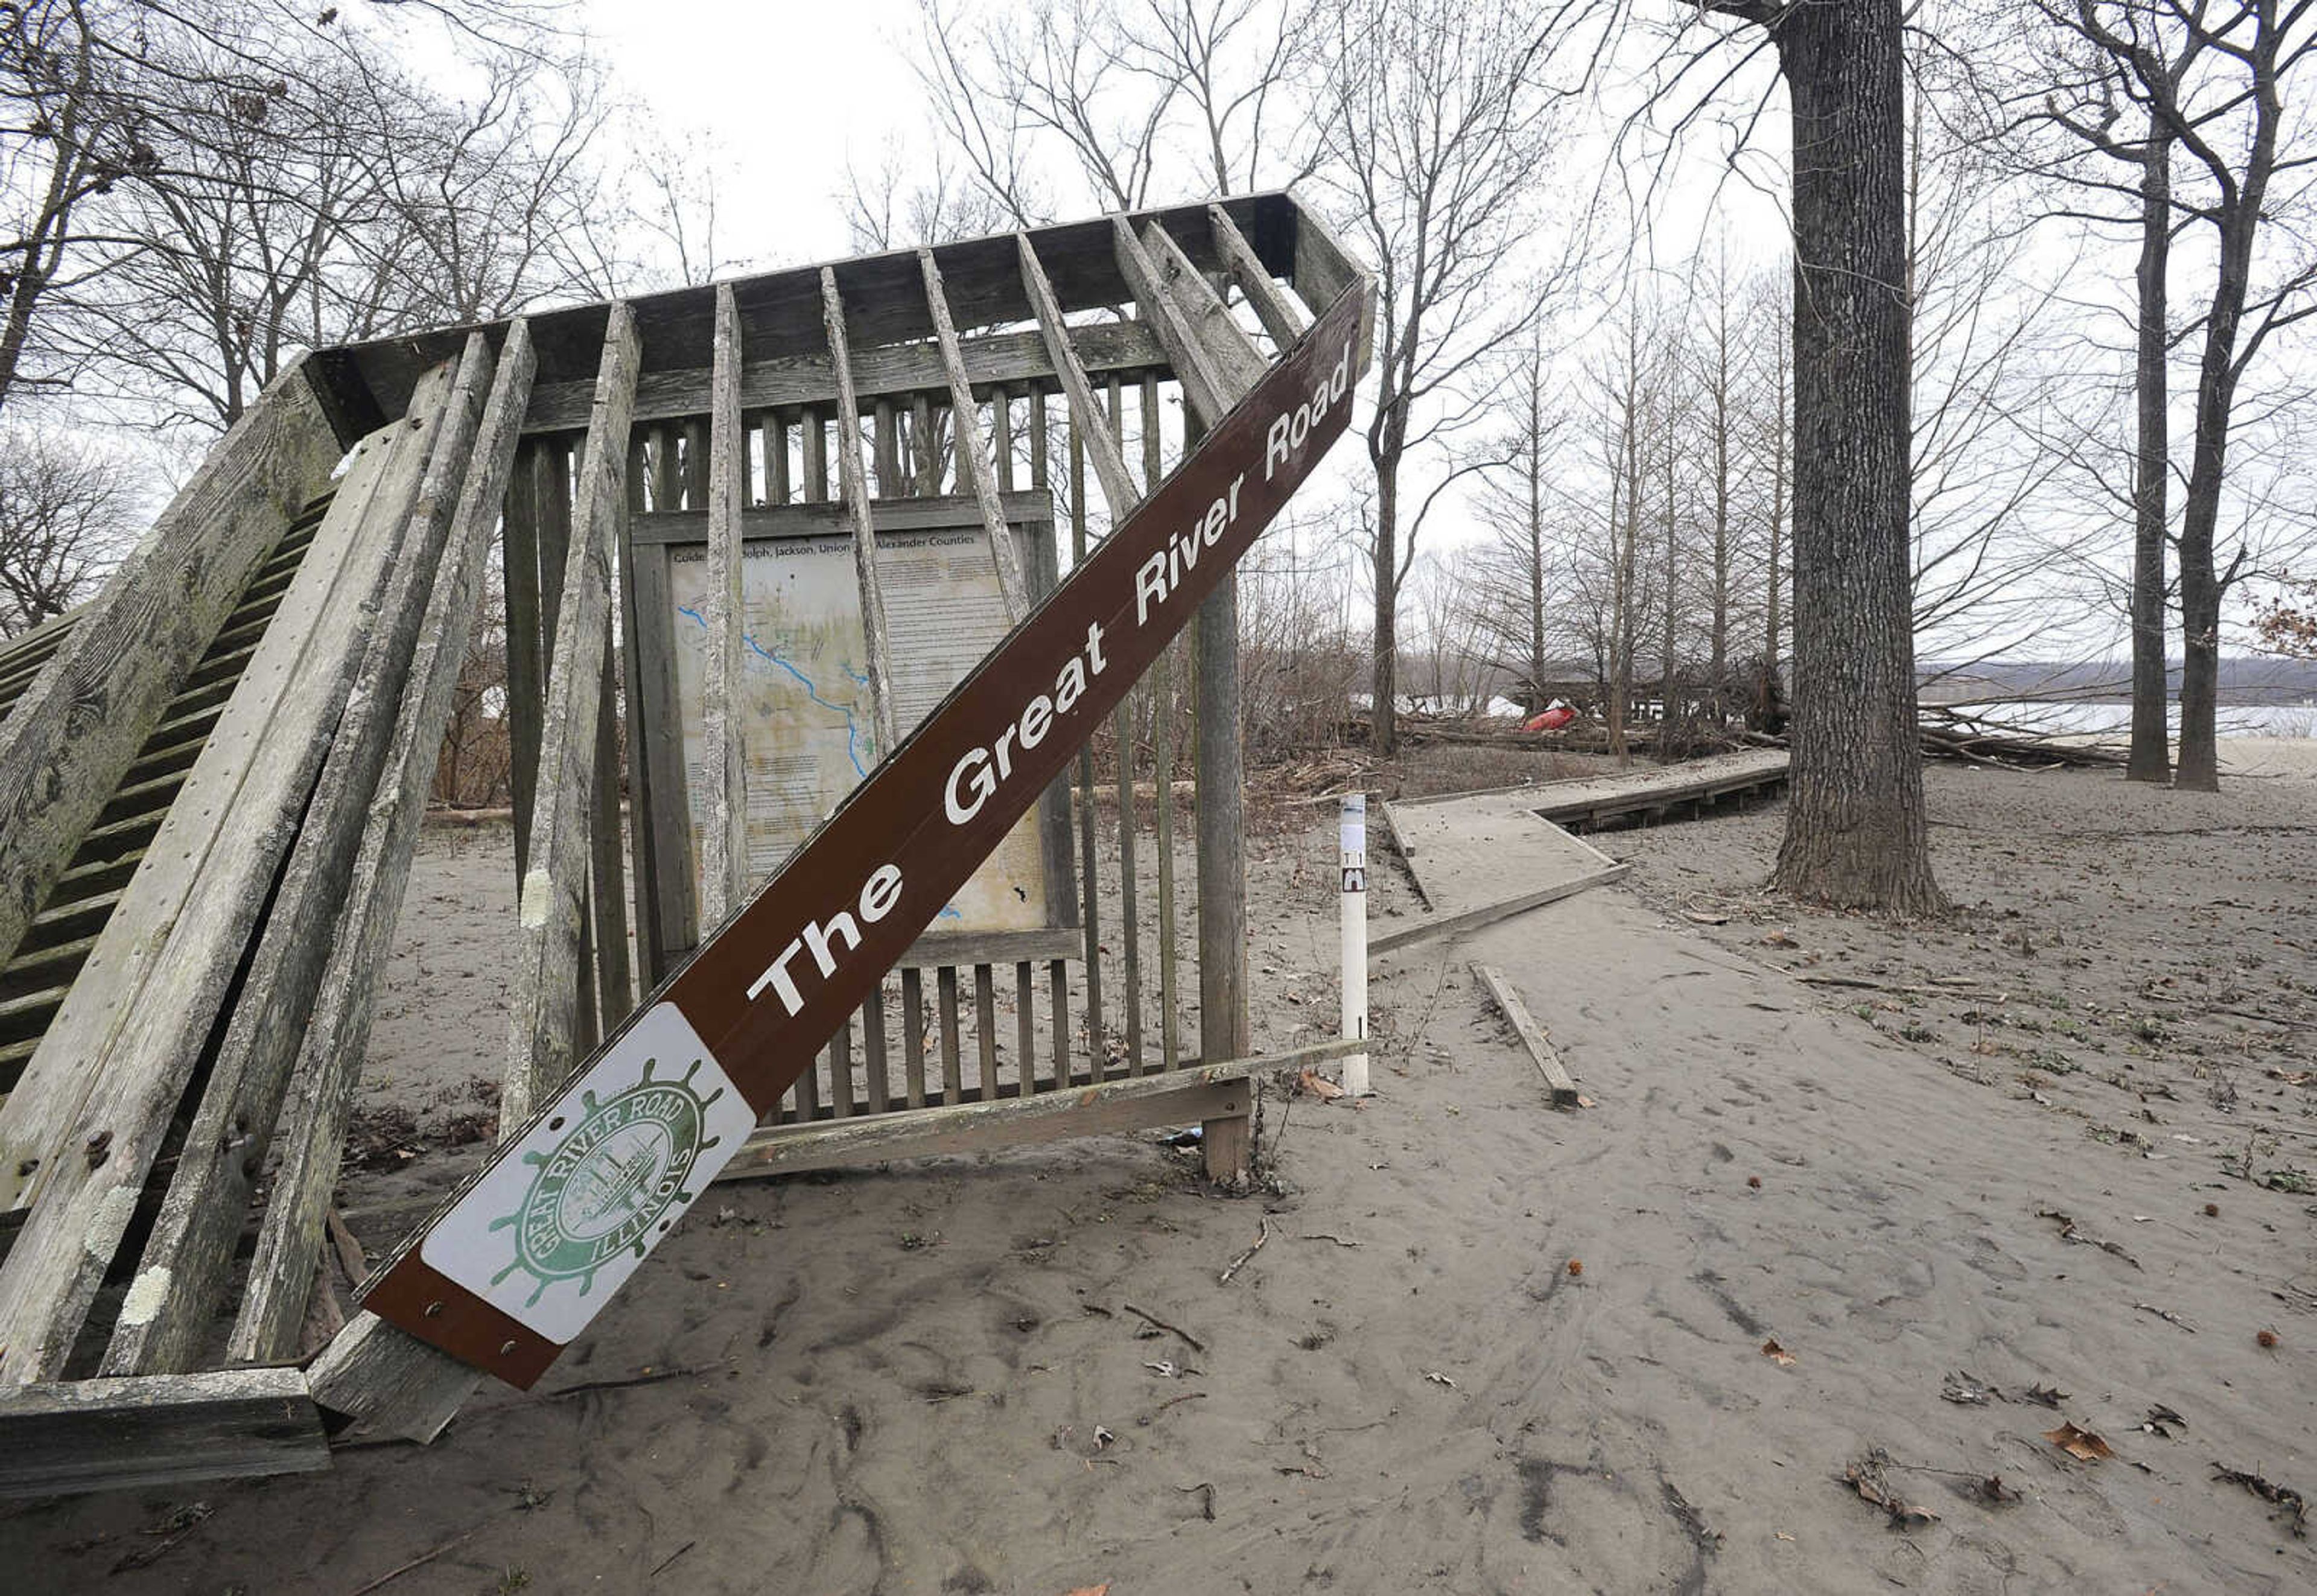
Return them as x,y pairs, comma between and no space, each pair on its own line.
165,1429
1531,1033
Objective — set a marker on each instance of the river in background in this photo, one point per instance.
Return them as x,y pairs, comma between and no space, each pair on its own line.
2114,719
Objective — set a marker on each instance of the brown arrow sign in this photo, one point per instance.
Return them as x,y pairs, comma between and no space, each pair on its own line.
529,1249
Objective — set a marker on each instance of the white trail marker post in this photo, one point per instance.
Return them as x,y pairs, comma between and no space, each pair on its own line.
1353,844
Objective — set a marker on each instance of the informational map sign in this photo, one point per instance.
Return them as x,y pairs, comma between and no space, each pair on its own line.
527,1252
808,728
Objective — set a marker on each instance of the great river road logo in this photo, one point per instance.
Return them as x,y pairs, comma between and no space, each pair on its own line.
614,1176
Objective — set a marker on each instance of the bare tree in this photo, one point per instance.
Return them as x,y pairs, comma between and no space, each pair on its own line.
2208,79
1517,567
1438,129
66,517
107,103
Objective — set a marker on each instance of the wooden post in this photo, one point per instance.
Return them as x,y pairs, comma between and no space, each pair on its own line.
553,904
519,576
312,1135
1200,337
855,492
724,849
182,1272
971,458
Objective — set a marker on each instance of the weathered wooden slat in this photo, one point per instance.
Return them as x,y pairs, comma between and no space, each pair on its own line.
951,1056
776,459
1025,1029
1162,772
1473,919
118,1056
1058,985
1233,357
519,582
1278,314
864,530
1089,829
1199,1091
1324,272
812,453
312,1135
116,1434
824,519
984,1028
841,1099
553,901
649,482
1118,489
877,1087
606,881
724,845
971,458
913,1035
886,451
665,818
883,372
81,721
181,1276
1532,1035
1204,382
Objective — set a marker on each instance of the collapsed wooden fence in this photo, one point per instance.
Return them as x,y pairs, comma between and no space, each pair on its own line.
212,780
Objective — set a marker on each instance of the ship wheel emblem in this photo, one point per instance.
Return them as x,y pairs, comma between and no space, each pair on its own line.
612,1183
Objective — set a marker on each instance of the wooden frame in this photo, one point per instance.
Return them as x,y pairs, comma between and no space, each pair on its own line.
308,643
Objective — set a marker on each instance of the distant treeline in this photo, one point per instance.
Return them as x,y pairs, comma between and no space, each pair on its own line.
2243,679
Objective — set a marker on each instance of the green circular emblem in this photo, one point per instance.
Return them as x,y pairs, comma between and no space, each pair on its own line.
608,1185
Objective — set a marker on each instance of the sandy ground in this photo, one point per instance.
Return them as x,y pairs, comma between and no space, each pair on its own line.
1487,1347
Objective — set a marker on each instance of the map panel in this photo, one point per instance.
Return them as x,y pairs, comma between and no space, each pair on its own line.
808,727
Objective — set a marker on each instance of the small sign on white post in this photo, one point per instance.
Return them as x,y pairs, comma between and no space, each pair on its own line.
1353,843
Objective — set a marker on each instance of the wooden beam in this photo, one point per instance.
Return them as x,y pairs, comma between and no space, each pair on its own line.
183,1271
724,849
553,903
310,1135
116,1434
1531,1033
1206,386
1325,272
973,452
80,723
854,489
831,519
80,1131
1195,1093
1238,362
1118,489
1278,314
519,551
1488,914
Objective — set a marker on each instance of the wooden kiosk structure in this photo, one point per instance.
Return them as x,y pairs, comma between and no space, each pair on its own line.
211,776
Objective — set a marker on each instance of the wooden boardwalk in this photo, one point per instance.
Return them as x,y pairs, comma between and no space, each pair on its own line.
1652,791
1478,858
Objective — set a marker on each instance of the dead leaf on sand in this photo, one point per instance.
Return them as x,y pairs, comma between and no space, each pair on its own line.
1313,1084
1771,1349
2079,1443
1866,1477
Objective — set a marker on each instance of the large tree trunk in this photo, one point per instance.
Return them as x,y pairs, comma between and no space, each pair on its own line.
1855,834
2151,758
